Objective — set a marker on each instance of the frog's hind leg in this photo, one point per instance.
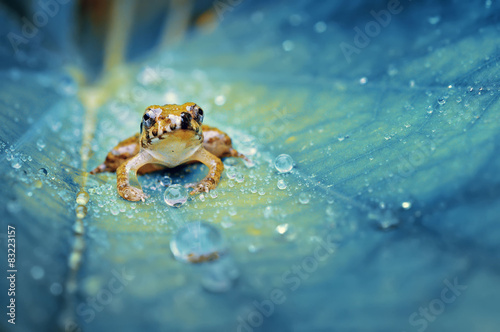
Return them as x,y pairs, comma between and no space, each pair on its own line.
127,183
125,150
220,144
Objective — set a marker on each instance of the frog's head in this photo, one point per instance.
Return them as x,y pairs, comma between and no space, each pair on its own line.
172,129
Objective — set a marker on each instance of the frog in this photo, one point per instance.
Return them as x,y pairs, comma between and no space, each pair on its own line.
170,135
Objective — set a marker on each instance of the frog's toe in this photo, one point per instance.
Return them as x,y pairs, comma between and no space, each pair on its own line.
132,194
203,186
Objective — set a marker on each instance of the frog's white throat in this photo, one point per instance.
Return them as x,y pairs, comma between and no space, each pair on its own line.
173,151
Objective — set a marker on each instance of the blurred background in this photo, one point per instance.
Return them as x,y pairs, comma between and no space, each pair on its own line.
381,216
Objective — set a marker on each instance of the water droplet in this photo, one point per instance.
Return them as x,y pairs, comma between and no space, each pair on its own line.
114,209
240,178
281,184
384,219
43,171
213,194
81,211
304,198
281,229
285,231
441,101
40,144
283,163
197,242
15,162
166,180
175,195
231,172
82,198
330,211
78,227
37,272
406,205
320,27
363,80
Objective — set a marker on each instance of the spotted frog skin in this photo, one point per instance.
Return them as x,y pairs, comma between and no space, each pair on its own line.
170,135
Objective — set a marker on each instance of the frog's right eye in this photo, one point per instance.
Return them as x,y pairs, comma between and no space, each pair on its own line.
148,119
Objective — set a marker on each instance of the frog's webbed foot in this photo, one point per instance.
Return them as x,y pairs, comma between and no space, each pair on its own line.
127,173
132,193
215,168
204,185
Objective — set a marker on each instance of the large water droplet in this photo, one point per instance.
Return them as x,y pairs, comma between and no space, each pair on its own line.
197,242
283,163
175,195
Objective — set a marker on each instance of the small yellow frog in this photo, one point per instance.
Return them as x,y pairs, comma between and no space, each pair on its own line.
170,135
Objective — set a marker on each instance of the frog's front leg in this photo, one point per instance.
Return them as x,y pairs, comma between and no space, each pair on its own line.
127,173
215,168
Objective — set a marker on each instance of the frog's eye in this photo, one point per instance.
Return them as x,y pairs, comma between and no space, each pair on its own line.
148,119
198,114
